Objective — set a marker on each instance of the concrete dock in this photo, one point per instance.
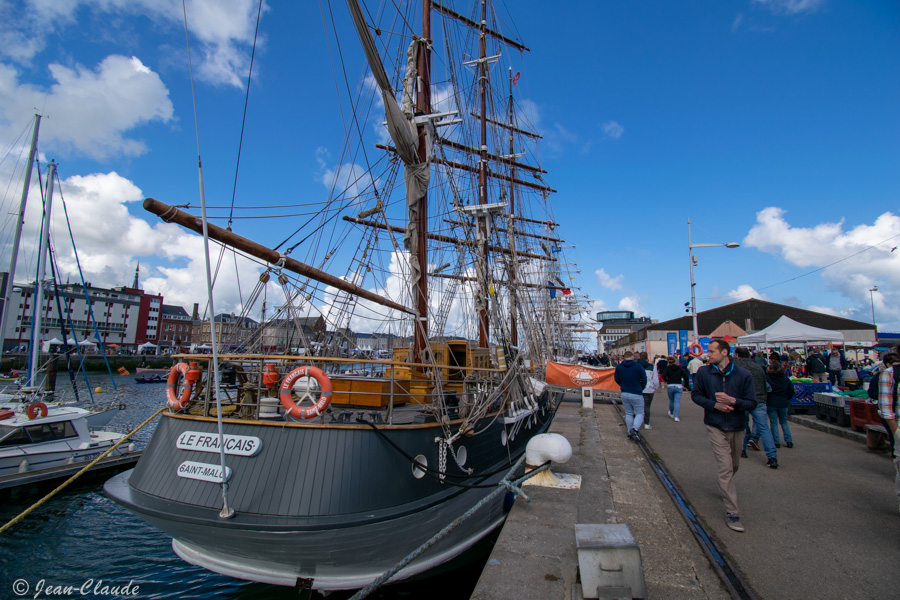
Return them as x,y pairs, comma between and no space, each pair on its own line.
823,525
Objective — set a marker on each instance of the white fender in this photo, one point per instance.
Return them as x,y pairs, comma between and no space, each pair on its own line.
547,446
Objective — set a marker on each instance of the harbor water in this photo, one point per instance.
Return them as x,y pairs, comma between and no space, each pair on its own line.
83,541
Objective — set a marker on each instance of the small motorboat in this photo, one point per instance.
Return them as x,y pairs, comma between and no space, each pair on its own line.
151,379
40,436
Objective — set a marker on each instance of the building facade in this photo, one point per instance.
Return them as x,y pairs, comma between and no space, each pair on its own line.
616,325
118,317
176,328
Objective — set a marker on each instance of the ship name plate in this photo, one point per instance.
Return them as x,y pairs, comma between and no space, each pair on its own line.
203,471
237,445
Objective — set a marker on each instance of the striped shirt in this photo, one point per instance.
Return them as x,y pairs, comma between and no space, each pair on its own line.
885,395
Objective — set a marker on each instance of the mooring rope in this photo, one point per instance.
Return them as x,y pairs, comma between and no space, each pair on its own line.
78,474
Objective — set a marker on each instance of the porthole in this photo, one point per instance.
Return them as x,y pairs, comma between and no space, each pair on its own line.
419,466
461,455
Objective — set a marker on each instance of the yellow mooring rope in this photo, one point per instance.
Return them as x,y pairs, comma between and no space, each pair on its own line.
78,474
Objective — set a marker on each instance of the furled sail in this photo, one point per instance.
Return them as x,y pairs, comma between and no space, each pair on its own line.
401,128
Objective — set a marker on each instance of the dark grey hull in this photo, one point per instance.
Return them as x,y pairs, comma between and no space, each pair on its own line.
337,505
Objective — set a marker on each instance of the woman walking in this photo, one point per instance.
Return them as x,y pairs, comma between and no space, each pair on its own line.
777,402
676,382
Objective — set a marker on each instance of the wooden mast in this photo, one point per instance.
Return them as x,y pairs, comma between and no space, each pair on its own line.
423,107
483,325
511,236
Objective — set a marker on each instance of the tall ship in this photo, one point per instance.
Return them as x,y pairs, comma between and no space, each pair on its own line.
294,453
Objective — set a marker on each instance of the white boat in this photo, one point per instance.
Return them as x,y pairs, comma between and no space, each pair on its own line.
39,436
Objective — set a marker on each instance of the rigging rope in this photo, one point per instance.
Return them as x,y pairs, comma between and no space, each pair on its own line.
237,167
227,511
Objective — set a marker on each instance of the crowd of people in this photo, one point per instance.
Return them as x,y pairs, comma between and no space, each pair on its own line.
745,396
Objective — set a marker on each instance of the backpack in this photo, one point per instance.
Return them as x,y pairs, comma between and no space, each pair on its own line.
873,386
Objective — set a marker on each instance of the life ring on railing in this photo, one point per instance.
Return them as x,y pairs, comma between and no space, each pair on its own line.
695,350
36,408
191,375
287,386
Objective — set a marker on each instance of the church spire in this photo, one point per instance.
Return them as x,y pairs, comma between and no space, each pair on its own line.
137,271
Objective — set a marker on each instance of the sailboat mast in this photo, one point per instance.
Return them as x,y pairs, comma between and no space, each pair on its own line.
36,324
511,235
483,325
11,274
423,106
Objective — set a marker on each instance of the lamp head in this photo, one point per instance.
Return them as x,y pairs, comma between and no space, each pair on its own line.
732,245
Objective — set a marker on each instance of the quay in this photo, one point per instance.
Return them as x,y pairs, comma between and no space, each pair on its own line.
822,525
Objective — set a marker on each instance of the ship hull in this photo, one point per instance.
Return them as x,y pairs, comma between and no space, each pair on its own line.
330,506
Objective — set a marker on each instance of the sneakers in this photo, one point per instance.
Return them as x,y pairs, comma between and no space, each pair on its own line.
647,426
778,445
753,444
743,454
670,414
734,522
632,434
772,463
789,444
677,420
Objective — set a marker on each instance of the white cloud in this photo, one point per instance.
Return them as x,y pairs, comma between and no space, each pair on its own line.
790,7
744,292
613,130
735,25
632,303
596,307
110,242
221,30
852,260
91,109
610,283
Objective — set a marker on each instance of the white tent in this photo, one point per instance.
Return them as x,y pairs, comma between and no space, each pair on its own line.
45,345
146,345
86,342
786,329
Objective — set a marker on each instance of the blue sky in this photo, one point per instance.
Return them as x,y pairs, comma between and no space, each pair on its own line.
772,123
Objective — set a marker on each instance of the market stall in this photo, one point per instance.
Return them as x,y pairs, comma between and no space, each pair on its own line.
786,330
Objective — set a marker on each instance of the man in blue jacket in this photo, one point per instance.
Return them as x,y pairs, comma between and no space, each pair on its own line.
725,391
632,379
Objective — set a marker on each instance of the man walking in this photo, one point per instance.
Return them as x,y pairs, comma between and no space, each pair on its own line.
725,391
694,365
650,388
760,414
632,379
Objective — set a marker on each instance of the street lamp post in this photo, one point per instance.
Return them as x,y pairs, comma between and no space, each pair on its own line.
872,298
692,260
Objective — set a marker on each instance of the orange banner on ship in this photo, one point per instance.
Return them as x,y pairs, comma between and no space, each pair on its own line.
579,376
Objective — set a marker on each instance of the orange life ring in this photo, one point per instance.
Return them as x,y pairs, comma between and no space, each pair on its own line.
174,402
287,386
36,408
697,347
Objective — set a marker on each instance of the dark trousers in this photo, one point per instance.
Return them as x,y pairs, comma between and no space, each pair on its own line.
648,400
890,436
